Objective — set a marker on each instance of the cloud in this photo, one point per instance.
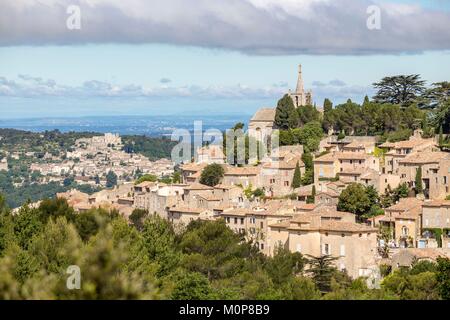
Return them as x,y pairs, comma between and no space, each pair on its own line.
262,27
165,80
338,91
26,86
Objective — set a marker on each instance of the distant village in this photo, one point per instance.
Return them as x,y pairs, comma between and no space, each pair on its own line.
90,162
303,219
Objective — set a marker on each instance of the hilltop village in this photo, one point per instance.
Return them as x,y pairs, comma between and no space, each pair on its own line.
363,201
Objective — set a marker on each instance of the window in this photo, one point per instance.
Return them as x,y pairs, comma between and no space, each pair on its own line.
242,220
262,246
228,219
286,183
326,248
261,224
235,221
404,231
342,250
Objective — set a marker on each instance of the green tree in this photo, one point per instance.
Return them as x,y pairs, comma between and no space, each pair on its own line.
418,180
284,264
111,179
322,271
400,89
354,199
327,105
137,218
308,114
146,177
297,179
286,116
212,174
312,198
26,225
192,286
443,277
159,243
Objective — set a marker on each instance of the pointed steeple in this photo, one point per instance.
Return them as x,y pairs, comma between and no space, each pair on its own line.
299,88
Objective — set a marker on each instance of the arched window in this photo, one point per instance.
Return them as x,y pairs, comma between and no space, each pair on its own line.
404,231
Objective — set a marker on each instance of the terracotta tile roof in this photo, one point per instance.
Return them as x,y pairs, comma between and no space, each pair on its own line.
333,225
145,184
407,144
436,203
328,157
405,204
242,171
355,145
193,166
198,186
425,157
304,191
307,206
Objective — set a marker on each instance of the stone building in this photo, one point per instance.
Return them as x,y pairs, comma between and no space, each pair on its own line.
435,172
435,216
329,233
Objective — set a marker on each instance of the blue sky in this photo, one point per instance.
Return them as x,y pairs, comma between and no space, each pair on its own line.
235,67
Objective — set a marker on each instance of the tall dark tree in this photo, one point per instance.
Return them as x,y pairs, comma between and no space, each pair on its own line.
418,182
322,271
286,115
443,277
297,179
327,105
111,179
400,89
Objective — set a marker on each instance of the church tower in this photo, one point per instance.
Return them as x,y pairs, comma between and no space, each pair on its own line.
300,97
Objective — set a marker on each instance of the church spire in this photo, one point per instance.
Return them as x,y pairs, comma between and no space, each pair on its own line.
299,88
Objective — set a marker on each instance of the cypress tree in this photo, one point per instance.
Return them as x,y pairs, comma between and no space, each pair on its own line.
441,136
419,186
286,116
327,105
297,179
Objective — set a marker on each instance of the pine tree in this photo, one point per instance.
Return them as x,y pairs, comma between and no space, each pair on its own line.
419,186
297,179
322,271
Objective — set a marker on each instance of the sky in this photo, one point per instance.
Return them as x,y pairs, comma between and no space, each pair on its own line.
153,57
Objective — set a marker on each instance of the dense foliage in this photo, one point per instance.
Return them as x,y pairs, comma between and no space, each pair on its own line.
148,259
152,147
212,174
